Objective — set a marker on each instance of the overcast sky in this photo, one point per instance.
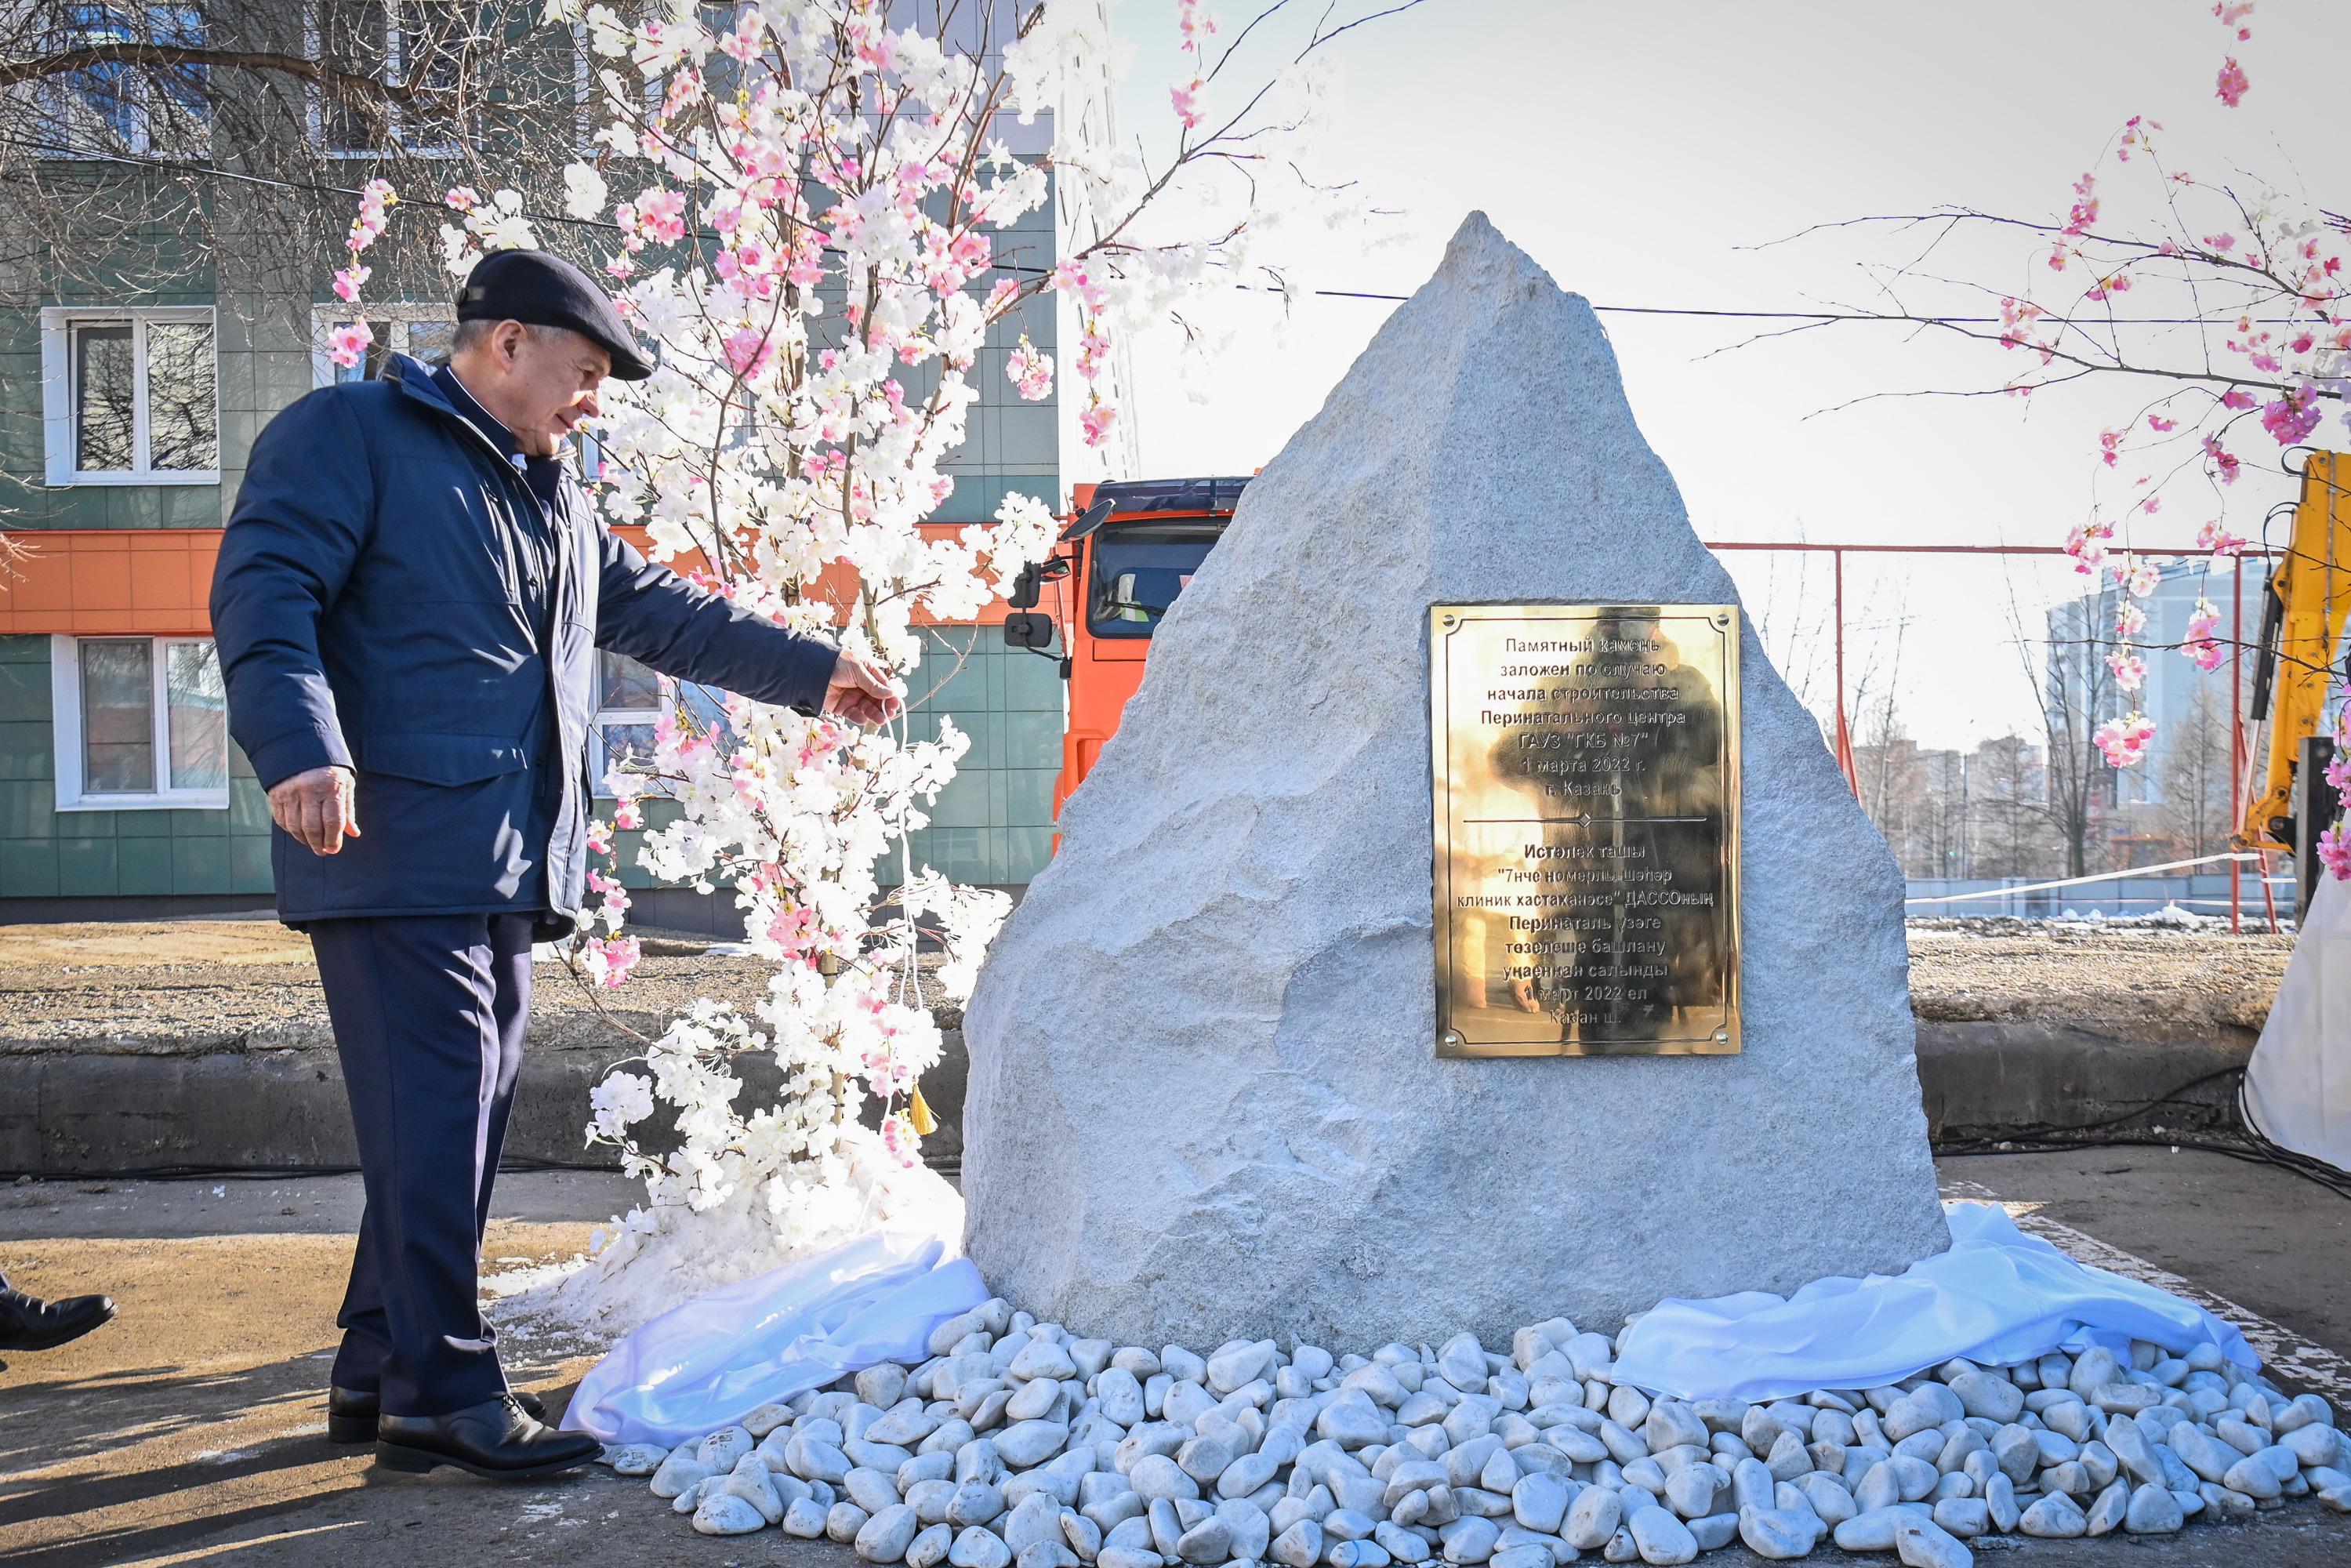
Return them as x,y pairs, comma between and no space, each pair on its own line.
1639,151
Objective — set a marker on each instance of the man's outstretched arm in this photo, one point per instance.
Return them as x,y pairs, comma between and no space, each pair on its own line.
657,618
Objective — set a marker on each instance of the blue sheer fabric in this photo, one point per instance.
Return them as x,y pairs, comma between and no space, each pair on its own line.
714,1360
1997,1296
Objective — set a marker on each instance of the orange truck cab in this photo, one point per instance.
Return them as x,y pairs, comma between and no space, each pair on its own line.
1116,570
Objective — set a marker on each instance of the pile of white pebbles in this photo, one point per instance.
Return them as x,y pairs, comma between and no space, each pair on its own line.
1015,1443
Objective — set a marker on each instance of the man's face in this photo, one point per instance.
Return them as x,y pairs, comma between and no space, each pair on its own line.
546,380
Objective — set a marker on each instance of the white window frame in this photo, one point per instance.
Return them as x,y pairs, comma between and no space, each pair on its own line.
58,322
674,694
65,707
402,316
605,717
395,64
140,143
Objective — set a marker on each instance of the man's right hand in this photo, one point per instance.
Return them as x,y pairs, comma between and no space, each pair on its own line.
319,808
863,690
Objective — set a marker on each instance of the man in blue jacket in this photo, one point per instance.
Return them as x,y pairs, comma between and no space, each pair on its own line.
410,597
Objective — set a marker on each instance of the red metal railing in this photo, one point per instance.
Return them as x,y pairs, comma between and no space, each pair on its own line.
2237,750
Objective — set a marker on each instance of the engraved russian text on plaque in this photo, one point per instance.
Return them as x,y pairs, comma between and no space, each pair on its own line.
1586,772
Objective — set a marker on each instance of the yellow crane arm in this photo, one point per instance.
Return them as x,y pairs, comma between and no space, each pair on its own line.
2301,625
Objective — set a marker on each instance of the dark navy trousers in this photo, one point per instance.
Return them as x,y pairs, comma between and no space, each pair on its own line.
429,1012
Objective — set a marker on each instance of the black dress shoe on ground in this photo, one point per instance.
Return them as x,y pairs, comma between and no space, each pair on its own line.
351,1413
496,1438
28,1322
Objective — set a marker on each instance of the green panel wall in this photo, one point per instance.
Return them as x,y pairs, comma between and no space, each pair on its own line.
23,454
994,822
48,853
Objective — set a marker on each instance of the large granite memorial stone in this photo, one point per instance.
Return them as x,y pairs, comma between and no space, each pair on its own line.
1206,1097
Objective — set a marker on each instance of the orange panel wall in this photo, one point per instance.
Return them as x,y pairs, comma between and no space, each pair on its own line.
840,583
157,582
95,582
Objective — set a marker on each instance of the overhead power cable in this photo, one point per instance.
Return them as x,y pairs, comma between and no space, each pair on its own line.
317,188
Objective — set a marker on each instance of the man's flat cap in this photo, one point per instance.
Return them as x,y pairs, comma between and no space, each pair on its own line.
543,290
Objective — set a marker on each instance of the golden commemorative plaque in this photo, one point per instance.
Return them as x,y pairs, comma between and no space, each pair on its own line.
1586,771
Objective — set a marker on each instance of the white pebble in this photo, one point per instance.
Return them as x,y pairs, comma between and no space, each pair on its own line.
1592,1518
635,1459
722,1449
726,1514
1299,1546
1779,1534
2153,1511
1921,1543
2055,1517
1663,1540
929,1548
1965,1517
979,1548
886,1536
677,1472
1873,1529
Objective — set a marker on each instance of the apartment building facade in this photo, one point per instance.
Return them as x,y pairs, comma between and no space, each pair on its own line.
130,392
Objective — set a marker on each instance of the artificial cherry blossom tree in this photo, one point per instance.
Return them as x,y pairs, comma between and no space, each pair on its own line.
807,204
2252,282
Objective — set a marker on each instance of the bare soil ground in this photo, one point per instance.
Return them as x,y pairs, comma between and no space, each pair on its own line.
2120,980
199,985
195,986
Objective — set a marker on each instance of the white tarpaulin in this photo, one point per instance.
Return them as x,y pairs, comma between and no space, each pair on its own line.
1997,1296
714,1360
2298,1085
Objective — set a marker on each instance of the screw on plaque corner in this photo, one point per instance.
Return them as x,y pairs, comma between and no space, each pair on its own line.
1453,1038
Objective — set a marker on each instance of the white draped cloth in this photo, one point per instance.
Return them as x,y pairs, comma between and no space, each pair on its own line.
714,1360
2298,1084
1997,1296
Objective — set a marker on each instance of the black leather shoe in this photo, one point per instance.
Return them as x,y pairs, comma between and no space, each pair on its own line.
351,1413
496,1438
28,1322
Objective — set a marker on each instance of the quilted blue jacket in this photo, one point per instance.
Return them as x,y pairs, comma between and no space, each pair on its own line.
370,609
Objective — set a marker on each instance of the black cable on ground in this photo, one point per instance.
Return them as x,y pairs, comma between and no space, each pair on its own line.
2246,1144
2324,1174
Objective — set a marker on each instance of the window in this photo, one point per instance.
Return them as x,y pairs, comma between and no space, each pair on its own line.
129,397
140,723
417,46
144,107
628,705
1139,568
631,700
426,332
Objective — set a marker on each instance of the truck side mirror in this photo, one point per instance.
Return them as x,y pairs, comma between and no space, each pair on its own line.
1025,589
1029,629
